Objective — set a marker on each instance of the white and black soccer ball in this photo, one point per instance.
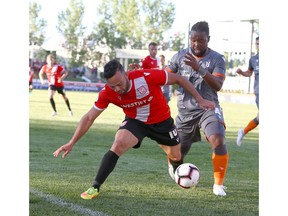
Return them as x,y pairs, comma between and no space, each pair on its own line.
187,175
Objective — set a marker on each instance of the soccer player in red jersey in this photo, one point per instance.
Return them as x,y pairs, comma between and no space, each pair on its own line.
55,74
150,61
153,62
147,114
31,76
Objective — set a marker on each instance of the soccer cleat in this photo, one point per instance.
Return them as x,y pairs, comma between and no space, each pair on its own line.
70,113
90,193
219,190
240,137
171,170
54,113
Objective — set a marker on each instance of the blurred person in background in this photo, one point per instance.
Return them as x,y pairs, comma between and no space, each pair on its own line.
31,76
166,89
55,74
253,67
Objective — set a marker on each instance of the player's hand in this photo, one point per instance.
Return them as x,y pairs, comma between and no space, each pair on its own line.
239,71
191,61
65,148
206,104
134,66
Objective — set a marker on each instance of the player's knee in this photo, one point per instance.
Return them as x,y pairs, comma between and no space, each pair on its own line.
120,147
216,140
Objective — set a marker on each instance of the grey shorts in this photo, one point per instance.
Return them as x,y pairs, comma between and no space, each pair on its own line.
164,133
210,121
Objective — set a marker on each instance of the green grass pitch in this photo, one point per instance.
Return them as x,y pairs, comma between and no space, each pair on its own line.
140,184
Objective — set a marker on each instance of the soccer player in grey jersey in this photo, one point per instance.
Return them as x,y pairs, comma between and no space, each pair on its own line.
205,69
253,67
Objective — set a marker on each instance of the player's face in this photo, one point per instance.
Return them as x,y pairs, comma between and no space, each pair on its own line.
50,61
153,51
199,43
119,83
257,45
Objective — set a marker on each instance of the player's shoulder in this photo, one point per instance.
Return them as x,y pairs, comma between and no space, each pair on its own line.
216,55
214,52
43,68
57,65
135,73
183,51
147,58
256,56
180,53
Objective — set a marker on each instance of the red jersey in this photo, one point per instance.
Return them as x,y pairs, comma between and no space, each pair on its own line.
53,74
144,100
150,63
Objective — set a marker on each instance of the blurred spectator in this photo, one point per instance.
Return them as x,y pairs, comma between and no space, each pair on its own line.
82,71
94,73
31,76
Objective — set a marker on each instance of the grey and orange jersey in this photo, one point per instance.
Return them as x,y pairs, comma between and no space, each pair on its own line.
213,62
254,66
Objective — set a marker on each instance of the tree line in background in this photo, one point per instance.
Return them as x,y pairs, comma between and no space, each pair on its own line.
121,24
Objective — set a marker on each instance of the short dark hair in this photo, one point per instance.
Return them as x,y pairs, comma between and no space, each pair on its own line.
152,44
201,26
111,68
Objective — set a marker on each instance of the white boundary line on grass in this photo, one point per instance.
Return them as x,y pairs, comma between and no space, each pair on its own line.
63,203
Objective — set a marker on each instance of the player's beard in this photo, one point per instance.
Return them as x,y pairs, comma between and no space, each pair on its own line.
127,86
199,54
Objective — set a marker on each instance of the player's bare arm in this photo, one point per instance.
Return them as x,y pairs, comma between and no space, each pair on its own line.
214,82
183,82
247,73
134,66
64,74
83,126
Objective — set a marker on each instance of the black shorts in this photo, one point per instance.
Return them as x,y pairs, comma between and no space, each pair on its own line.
164,133
59,89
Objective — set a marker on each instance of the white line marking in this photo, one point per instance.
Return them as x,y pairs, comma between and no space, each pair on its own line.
63,203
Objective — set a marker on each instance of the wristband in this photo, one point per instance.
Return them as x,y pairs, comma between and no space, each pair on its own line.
202,71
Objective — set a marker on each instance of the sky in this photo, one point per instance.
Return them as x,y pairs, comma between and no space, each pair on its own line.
224,21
